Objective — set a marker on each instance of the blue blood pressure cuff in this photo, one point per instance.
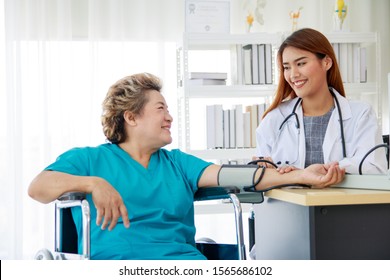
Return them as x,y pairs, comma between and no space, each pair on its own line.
240,176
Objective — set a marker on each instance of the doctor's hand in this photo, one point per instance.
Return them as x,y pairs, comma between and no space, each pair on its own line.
323,175
286,169
109,205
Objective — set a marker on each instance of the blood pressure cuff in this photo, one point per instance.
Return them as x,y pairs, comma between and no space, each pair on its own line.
240,176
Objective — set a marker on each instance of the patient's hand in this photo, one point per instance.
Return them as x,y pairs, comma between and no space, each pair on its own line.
109,205
323,175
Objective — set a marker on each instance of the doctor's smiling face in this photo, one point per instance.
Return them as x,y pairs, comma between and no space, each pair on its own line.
305,71
308,67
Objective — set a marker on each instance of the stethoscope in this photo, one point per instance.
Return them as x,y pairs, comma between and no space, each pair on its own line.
298,126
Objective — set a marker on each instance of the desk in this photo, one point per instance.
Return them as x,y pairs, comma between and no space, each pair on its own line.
332,223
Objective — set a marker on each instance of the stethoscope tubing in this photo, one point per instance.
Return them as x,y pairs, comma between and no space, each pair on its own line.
294,114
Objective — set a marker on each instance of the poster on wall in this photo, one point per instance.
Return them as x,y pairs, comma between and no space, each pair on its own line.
202,16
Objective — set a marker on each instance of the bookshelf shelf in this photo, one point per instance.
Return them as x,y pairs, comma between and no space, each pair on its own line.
235,91
352,37
198,41
361,88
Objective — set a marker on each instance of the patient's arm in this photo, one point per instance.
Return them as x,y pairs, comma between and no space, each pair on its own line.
316,175
49,185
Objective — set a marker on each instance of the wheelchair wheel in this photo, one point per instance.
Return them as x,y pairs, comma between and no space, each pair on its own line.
44,254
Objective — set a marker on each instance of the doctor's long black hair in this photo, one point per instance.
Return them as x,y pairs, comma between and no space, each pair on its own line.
315,42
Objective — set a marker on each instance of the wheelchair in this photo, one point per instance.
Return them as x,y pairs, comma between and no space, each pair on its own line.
66,237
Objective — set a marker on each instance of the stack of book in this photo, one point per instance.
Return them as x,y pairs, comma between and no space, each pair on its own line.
352,60
234,127
206,78
254,64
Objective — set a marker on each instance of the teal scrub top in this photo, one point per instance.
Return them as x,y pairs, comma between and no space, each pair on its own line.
159,200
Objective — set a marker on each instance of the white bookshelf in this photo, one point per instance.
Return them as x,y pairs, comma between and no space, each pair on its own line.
190,94
232,91
371,89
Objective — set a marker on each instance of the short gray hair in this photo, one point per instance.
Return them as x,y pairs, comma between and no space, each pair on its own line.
127,94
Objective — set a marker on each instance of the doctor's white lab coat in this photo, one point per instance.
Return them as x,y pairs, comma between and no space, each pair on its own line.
361,130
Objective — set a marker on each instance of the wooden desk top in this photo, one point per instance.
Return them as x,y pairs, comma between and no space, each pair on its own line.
329,196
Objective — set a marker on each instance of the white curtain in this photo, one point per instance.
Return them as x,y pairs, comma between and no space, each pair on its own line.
60,58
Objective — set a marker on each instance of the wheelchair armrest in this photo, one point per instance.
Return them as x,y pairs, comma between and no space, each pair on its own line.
251,197
210,193
66,237
68,196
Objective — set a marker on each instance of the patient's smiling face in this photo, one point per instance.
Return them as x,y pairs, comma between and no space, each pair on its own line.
155,121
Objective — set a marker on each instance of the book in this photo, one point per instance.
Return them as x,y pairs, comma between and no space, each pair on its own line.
226,126
260,111
247,61
232,128
261,54
210,126
215,126
268,64
356,62
255,64
350,63
254,124
252,110
206,82
247,129
239,126
363,65
218,116
343,63
237,65
207,75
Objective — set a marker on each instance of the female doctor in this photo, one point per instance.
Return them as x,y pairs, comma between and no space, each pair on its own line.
302,125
